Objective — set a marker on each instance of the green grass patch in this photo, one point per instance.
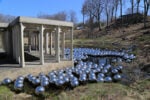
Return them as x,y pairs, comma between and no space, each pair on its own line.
5,93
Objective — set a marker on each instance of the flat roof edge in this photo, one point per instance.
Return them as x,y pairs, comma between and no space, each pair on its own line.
44,21
4,25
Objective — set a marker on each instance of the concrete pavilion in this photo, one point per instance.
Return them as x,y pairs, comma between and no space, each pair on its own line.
37,37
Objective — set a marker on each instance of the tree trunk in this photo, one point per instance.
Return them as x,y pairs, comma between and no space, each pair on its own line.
112,13
144,13
121,12
83,20
115,14
132,5
144,20
137,9
107,20
99,23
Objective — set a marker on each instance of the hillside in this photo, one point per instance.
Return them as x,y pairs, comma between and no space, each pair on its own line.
134,37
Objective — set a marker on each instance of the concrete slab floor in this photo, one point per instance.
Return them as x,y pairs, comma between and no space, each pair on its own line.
13,72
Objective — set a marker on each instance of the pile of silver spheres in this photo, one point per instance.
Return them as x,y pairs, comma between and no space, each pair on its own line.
82,73
83,53
18,84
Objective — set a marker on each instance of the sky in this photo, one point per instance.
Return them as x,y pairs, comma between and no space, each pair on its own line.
32,8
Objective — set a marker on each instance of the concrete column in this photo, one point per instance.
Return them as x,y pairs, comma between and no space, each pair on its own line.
36,41
51,44
57,44
46,42
13,40
16,28
55,39
15,45
16,49
22,61
63,44
39,41
71,48
32,40
41,45
29,40
7,42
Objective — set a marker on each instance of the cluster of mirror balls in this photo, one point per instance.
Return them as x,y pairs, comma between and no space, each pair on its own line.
83,53
82,73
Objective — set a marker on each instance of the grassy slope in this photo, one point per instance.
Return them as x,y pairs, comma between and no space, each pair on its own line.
93,91
107,91
5,93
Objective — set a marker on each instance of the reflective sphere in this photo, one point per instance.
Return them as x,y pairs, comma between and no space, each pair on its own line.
108,66
19,81
53,80
120,67
20,78
41,74
100,75
73,79
114,71
70,76
29,76
59,82
44,83
117,77
39,90
18,86
98,69
66,79
36,81
82,77
104,71
32,78
100,79
74,83
108,79
7,81
92,77
44,78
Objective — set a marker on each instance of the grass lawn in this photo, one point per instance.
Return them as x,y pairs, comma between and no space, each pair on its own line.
92,91
5,93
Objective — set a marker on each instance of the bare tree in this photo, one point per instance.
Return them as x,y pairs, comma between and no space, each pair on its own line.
120,1
112,6
72,16
132,6
89,11
107,10
6,18
146,8
116,7
99,5
93,9
58,16
138,2
83,13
